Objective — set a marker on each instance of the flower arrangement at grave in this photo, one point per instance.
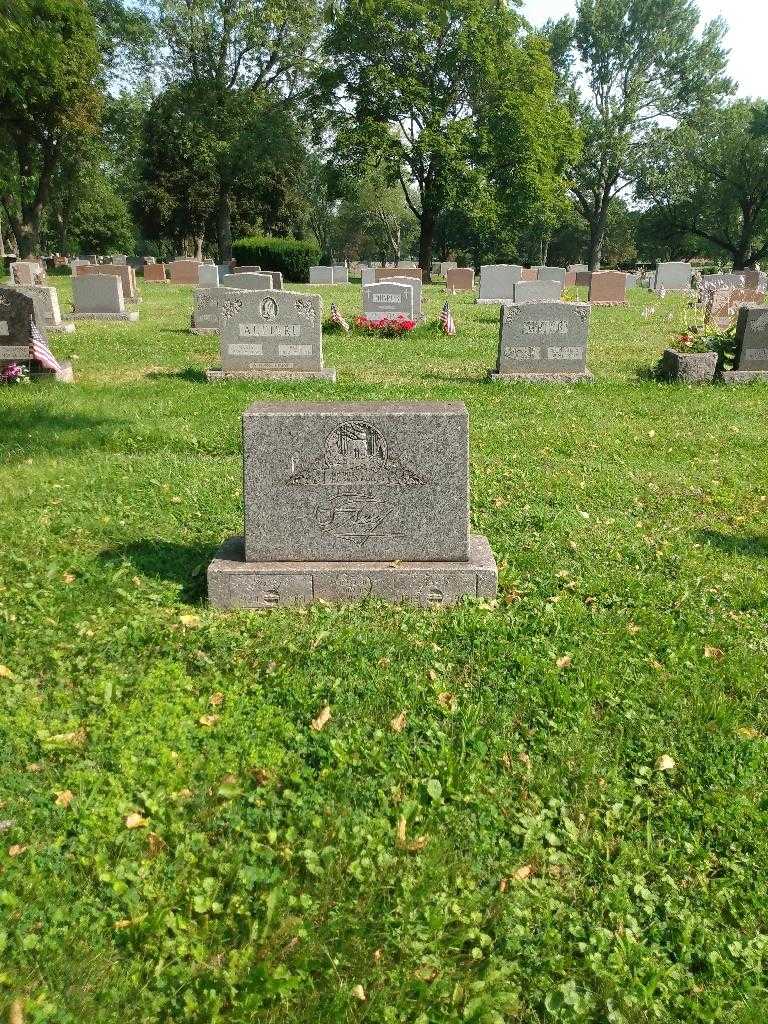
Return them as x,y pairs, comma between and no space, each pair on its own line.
387,327
14,374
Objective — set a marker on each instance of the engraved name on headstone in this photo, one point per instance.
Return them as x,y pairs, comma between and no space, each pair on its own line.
271,335
389,299
545,340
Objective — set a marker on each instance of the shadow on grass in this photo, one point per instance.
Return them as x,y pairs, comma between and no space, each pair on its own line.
39,431
453,378
184,564
736,545
190,374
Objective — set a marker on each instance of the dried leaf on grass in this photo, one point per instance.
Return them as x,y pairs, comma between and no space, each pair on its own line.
319,723
399,722
402,843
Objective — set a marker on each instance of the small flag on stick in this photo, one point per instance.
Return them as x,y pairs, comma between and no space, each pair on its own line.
446,320
337,318
39,351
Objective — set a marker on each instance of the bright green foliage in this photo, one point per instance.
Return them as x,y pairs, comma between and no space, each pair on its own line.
241,66
433,93
291,257
708,180
641,60
50,65
629,520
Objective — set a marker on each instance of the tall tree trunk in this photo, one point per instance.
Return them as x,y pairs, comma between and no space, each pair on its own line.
596,238
224,227
426,240
199,239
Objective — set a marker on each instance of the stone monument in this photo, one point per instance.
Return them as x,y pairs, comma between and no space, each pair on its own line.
47,310
543,341
497,283
751,362
345,501
268,335
100,297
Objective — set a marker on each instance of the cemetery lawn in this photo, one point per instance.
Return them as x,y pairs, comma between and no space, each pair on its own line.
548,808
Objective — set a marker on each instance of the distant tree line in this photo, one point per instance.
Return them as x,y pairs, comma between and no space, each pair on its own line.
381,130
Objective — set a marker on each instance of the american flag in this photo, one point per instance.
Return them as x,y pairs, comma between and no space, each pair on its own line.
337,318
446,320
39,351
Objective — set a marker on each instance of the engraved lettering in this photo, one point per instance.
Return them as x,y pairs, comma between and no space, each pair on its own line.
387,297
245,350
294,350
564,353
749,354
522,352
270,330
545,327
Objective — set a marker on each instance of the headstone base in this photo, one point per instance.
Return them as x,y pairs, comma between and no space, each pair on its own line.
203,330
742,376
131,316
599,303
62,328
325,374
548,378
235,583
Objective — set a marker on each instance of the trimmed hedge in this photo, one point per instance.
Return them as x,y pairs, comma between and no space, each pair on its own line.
293,259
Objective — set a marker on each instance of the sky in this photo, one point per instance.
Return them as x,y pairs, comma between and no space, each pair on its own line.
746,39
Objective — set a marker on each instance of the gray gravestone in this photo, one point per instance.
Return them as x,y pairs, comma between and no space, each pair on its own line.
351,500
447,265
417,286
99,297
321,275
723,280
17,311
277,279
208,275
243,281
120,259
271,335
340,275
497,283
47,311
537,291
543,341
368,275
389,299
552,274
673,277
751,361
205,318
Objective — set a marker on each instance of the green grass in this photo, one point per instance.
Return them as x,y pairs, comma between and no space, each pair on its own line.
630,523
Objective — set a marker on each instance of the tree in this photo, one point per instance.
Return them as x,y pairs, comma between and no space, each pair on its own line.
194,152
232,55
48,95
414,83
709,179
641,60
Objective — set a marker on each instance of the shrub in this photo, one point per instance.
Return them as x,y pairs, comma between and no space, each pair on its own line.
291,257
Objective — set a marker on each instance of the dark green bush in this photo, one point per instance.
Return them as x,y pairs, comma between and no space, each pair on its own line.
292,258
